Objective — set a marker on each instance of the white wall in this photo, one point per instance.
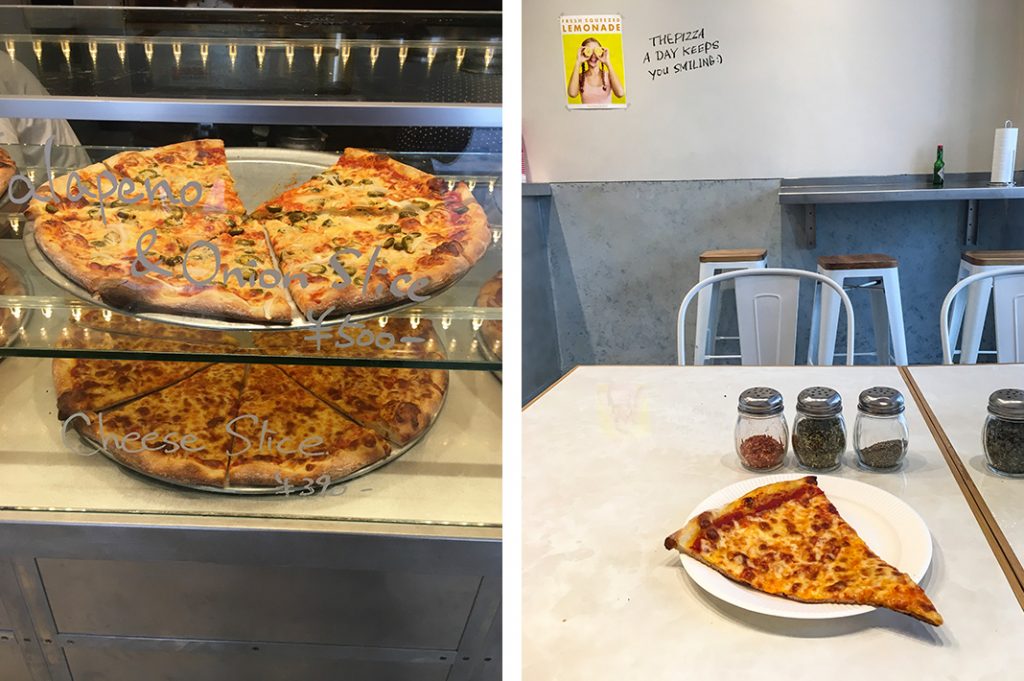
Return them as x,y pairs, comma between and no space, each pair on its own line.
806,88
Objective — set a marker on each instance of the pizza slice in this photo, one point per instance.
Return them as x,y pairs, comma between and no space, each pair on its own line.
399,404
195,170
179,433
490,330
284,433
787,539
82,189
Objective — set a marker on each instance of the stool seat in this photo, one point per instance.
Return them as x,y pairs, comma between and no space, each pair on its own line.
864,261
994,258
734,255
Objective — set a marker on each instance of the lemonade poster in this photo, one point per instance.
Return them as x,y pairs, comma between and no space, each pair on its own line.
592,52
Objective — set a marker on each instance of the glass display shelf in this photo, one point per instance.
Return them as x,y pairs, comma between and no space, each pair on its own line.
406,68
450,479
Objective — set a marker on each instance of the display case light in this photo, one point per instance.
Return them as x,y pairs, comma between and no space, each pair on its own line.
460,54
431,53
488,57
346,52
121,50
204,53
374,53
15,223
176,51
16,311
403,53
318,52
48,311
76,314
233,53
148,49
107,315
495,235
474,345
65,49
414,320
477,323
11,47
31,173
382,321
289,54
261,53
490,185
451,185
451,344
37,47
93,52
446,321
471,184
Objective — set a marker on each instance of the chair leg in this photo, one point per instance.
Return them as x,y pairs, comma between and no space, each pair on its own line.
894,304
702,330
880,321
812,343
713,316
957,314
975,311
828,324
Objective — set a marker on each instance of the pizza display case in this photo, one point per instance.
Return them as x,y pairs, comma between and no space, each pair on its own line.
392,572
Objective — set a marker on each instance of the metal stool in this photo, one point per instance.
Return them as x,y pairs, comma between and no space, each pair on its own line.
709,300
883,281
970,311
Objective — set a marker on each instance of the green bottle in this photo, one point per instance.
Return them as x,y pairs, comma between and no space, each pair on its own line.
939,172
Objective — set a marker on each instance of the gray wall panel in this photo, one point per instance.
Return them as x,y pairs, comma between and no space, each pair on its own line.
622,255
12,665
541,362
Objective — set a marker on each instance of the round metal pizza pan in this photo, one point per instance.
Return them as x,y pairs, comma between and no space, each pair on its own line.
259,175
295,488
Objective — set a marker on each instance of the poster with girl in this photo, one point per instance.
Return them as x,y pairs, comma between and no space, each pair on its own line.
592,51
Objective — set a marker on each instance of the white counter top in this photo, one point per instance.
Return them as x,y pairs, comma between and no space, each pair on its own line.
958,396
451,477
615,458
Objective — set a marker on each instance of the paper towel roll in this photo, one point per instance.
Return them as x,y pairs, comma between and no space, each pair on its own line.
1004,155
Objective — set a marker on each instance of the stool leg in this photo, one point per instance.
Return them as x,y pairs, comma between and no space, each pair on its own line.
812,342
957,315
828,324
880,320
976,308
894,303
701,330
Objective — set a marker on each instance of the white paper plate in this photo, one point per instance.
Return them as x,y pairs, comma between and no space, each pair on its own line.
890,527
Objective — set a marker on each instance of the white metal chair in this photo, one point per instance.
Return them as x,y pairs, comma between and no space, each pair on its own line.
970,310
767,312
1008,293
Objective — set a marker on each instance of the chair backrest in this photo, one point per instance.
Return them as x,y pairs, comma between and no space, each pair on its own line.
767,312
1007,294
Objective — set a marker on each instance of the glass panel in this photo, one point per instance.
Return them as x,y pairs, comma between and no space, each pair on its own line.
252,55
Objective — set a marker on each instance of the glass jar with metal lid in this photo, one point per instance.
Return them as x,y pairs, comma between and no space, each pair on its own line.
819,430
762,436
880,435
1003,434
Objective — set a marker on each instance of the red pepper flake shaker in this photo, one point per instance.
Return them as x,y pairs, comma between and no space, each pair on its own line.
762,436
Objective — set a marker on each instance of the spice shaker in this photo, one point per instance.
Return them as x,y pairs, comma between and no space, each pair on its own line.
761,431
880,435
819,431
1003,434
